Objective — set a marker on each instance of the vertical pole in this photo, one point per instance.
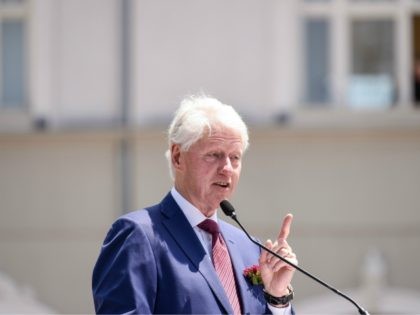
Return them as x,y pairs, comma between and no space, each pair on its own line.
126,147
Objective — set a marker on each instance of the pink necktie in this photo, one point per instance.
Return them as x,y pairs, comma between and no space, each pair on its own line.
222,263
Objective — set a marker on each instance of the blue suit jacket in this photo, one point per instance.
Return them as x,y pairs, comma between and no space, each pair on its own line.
153,262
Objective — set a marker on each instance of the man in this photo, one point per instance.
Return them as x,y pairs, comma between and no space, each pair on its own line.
171,258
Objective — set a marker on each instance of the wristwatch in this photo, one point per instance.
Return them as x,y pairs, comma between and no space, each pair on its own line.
282,300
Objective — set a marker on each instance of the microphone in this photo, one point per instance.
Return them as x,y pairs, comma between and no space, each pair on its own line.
228,210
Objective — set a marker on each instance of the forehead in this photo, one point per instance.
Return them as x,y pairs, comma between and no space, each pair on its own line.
221,137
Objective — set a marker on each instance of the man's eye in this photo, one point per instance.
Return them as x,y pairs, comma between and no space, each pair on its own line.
212,156
235,157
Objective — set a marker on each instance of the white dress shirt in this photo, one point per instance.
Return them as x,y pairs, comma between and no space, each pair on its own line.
195,217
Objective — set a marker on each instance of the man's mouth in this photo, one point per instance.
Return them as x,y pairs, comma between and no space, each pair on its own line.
222,184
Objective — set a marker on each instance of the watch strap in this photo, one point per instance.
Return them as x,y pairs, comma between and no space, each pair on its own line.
282,300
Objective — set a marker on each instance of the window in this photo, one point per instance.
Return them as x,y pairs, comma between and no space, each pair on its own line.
317,67
372,77
361,54
12,54
416,60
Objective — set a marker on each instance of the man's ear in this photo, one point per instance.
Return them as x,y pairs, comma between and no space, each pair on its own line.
176,156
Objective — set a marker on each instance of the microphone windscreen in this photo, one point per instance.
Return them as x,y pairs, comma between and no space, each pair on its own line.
227,208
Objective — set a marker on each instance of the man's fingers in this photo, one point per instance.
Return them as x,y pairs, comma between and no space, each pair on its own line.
277,264
264,254
285,227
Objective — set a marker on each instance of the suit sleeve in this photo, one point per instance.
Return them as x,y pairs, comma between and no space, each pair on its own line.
124,277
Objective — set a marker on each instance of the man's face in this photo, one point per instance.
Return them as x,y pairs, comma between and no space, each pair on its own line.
209,171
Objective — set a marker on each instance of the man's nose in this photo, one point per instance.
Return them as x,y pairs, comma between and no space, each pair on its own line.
227,165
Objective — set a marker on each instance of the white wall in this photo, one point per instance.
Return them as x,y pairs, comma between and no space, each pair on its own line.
75,61
58,194
239,51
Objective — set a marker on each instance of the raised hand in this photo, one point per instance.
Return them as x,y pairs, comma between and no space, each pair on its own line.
275,273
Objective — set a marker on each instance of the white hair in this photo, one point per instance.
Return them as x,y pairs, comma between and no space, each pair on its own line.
195,117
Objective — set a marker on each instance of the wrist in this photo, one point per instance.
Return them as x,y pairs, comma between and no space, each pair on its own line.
279,301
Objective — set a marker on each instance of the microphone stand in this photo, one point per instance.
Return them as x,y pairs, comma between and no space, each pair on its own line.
229,211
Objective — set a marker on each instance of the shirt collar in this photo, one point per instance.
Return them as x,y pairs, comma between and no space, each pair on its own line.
194,216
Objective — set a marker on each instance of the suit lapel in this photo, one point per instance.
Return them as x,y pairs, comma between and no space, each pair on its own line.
178,226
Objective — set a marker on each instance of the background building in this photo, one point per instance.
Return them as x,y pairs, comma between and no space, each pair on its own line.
87,88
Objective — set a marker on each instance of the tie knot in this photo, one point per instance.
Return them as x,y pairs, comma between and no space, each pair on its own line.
209,226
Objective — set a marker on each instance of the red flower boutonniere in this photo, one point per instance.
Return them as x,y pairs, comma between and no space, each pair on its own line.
253,274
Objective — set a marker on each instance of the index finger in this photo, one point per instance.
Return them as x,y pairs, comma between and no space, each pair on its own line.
285,227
